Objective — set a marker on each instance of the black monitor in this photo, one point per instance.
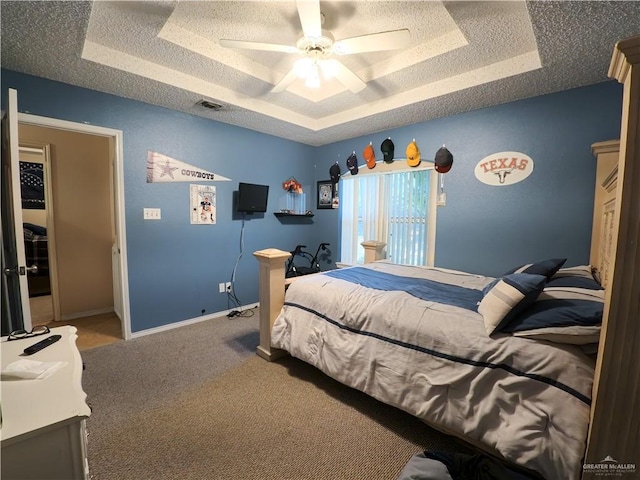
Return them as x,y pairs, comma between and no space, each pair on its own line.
252,198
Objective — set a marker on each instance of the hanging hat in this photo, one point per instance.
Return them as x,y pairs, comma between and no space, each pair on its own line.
443,160
369,156
352,163
334,171
387,148
413,154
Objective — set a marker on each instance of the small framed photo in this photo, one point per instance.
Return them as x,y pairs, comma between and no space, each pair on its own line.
325,194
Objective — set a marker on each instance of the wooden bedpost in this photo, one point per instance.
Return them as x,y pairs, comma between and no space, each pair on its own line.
271,277
373,250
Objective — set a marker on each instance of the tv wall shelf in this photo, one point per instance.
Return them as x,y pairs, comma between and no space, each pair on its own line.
286,214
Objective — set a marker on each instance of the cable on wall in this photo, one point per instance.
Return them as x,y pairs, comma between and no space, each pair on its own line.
231,295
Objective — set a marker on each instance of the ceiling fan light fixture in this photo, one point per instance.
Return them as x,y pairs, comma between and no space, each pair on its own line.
303,67
313,79
316,46
320,45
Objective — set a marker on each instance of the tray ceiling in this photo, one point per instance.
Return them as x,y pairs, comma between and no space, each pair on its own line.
461,56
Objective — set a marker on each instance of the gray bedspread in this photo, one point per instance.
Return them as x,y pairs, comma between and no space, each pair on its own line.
525,399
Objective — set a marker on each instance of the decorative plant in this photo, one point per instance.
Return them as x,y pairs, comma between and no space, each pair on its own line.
292,185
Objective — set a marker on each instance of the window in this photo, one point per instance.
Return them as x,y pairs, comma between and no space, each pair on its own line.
394,206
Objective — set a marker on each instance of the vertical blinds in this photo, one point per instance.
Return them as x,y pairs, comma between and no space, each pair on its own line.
391,208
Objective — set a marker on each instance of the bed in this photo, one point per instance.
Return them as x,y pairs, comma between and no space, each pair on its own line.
535,402
37,253
412,338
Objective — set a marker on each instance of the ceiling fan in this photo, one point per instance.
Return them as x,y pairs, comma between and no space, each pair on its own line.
317,46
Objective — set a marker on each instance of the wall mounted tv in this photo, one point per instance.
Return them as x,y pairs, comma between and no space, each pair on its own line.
252,198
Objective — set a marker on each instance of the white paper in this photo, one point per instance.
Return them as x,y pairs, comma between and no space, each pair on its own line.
31,369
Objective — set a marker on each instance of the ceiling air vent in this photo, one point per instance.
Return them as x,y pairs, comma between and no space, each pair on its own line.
210,105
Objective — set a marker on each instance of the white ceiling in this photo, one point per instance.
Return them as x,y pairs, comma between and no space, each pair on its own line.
462,56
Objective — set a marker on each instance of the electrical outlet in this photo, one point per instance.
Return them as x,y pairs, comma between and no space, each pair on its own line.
228,285
221,287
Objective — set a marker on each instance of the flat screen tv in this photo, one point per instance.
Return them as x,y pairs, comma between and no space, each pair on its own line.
252,198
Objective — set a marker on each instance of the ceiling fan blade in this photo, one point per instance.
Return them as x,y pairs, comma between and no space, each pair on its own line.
375,42
287,80
345,76
269,47
310,19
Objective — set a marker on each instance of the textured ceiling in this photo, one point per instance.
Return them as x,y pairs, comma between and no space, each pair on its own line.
461,56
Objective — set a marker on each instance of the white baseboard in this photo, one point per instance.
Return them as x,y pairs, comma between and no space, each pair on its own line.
89,313
190,321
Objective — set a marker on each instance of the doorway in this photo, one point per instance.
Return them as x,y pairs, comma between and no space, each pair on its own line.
82,222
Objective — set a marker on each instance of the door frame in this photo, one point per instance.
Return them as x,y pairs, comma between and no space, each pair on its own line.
116,136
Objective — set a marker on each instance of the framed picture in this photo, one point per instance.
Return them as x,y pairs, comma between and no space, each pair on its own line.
325,193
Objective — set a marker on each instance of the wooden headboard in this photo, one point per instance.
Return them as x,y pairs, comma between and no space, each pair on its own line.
604,204
614,429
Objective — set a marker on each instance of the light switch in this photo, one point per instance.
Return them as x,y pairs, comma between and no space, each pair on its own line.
152,214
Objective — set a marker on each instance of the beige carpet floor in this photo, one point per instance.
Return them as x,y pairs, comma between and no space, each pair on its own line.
263,420
198,403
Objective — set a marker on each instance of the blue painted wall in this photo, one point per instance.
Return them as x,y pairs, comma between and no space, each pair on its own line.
175,267
486,229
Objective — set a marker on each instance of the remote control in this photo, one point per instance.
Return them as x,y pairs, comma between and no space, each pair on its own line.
36,347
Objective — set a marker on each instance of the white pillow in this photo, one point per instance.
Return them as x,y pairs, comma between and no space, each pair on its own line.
506,297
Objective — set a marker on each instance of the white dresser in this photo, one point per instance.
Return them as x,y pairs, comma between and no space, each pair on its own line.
43,432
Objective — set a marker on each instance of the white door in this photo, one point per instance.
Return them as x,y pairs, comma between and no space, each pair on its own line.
14,275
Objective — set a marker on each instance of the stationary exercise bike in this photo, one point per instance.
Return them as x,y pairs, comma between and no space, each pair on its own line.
296,270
